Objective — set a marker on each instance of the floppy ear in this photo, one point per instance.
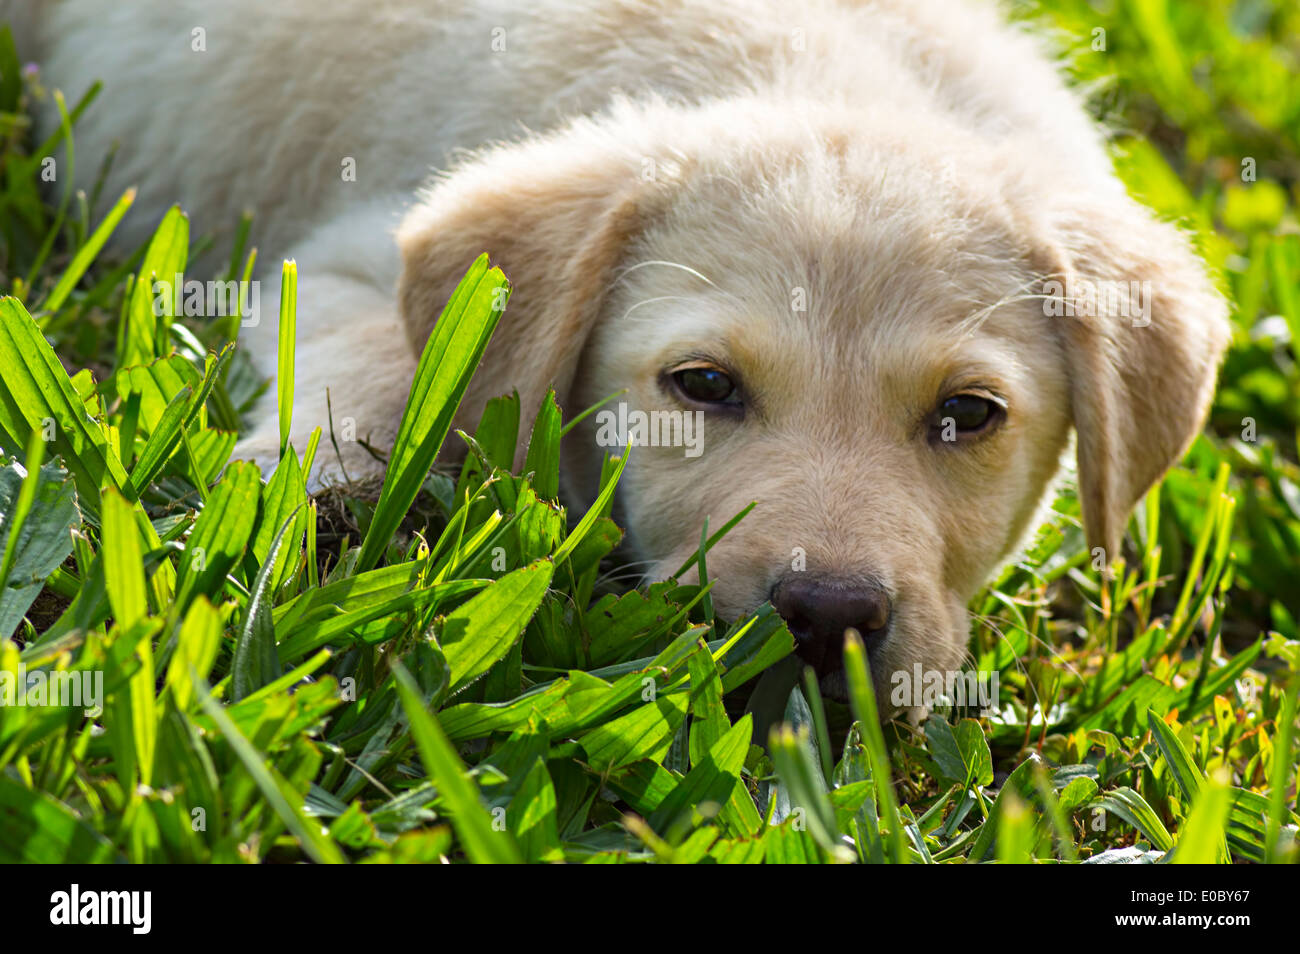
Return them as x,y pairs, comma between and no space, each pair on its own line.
556,215
1143,332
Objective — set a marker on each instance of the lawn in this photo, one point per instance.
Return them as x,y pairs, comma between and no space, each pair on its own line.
446,669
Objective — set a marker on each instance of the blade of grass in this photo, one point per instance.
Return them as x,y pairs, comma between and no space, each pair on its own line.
87,254
123,561
1283,766
592,515
36,395
287,347
256,661
863,697
441,378
23,506
482,842
726,528
284,801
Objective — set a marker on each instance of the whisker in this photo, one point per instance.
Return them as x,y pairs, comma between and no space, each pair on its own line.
629,571
685,268
624,273
651,301
973,321
989,621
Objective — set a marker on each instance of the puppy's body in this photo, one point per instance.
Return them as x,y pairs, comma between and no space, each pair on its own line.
263,115
850,207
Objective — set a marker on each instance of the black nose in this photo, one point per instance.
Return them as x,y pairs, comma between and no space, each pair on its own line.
819,609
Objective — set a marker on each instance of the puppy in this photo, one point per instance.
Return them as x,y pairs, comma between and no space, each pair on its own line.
873,254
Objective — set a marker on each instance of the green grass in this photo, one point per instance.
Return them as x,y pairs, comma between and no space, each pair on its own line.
444,673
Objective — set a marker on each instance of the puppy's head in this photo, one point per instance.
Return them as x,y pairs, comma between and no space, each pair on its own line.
882,338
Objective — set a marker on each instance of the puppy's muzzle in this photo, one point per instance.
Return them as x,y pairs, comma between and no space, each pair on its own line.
819,609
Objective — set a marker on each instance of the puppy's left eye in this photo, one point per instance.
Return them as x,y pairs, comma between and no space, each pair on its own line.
705,385
966,415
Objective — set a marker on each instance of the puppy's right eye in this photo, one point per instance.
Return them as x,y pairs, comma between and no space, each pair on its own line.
706,385
966,416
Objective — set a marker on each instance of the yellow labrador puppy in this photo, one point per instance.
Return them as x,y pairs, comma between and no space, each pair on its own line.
865,263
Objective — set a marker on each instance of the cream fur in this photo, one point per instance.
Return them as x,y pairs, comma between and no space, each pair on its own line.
914,168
